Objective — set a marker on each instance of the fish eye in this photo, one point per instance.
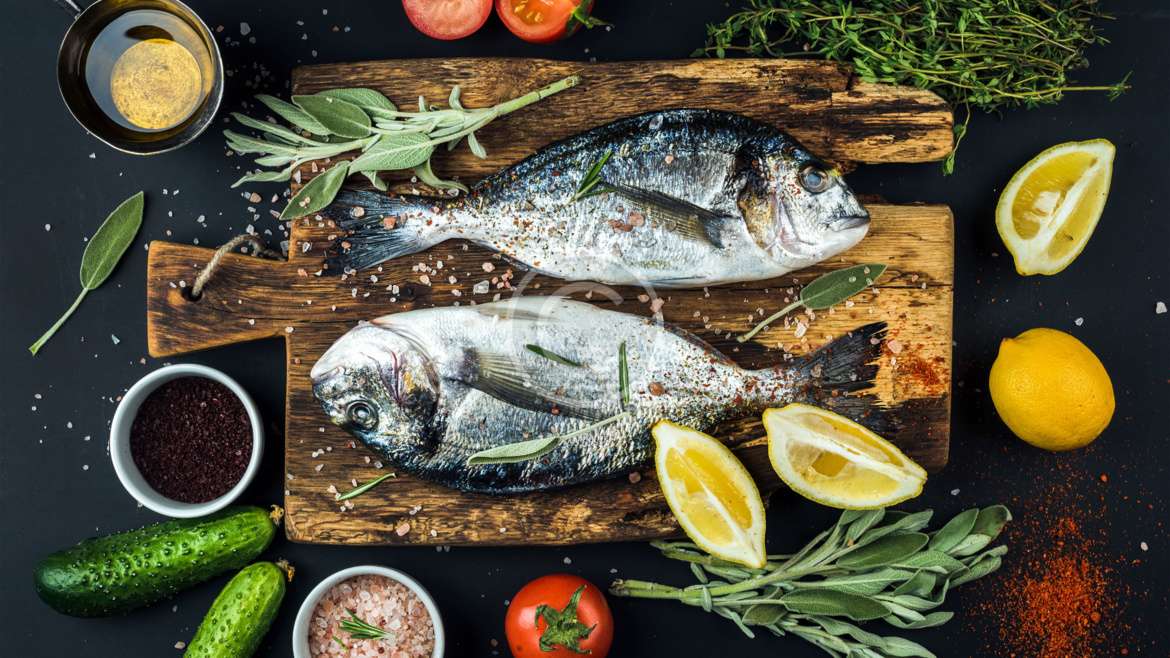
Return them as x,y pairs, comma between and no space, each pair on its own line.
362,414
814,178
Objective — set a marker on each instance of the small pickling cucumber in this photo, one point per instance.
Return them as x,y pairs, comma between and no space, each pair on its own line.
108,575
242,613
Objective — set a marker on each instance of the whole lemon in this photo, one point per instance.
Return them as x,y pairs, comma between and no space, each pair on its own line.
1051,390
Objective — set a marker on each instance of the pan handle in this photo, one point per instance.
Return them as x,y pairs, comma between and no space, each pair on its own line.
69,6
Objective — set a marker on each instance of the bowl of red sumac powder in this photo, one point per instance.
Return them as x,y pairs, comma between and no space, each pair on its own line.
186,440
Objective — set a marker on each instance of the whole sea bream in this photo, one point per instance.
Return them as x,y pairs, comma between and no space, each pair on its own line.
430,388
685,198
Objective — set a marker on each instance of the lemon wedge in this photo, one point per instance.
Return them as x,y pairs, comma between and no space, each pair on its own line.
1050,207
834,461
711,494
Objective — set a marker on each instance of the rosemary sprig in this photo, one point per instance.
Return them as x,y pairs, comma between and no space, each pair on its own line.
359,629
339,121
982,53
870,565
591,182
551,355
361,489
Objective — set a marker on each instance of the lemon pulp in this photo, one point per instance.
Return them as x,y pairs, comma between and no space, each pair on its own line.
834,461
710,493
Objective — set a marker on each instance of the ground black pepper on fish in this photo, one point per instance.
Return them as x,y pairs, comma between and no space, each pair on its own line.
691,198
429,388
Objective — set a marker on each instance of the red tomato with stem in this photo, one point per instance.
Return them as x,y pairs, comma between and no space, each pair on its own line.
546,21
447,19
559,616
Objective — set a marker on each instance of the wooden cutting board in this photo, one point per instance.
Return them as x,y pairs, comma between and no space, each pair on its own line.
835,116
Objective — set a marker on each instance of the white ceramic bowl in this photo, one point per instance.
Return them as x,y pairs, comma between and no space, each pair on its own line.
300,637
128,472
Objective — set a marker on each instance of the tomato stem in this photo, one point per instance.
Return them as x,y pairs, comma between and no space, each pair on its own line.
582,16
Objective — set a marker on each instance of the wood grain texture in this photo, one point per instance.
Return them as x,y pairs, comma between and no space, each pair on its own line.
252,298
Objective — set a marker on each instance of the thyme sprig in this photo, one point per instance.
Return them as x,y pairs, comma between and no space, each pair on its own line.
870,565
985,54
385,138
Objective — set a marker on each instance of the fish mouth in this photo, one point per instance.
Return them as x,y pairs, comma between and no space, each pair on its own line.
846,222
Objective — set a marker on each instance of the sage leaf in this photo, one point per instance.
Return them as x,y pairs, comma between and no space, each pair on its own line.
340,117
970,545
837,604
862,523
955,531
428,177
887,645
266,176
992,520
552,356
931,620
293,114
244,144
511,453
395,151
317,193
371,100
763,614
376,181
837,286
276,129
825,291
275,160
933,560
922,582
977,570
888,550
102,254
862,584
361,489
476,148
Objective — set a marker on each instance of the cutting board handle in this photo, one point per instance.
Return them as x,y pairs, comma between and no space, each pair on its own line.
249,298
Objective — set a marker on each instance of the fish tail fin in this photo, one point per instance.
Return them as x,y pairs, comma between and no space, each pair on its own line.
380,227
832,376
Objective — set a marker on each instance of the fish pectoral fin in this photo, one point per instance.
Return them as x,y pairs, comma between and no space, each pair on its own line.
677,215
507,379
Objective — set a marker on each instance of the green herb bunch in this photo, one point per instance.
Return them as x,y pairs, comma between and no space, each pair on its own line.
870,565
340,121
987,54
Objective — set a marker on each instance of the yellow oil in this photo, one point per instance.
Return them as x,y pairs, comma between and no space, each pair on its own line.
148,71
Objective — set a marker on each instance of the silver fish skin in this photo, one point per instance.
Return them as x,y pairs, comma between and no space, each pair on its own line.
427,389
699,198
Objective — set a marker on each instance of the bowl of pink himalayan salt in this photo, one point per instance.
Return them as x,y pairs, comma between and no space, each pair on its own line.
368,612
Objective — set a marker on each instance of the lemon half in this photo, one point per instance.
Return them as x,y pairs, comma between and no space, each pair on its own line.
711,494
832,460
1050,207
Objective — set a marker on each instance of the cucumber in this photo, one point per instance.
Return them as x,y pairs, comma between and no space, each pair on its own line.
108,575
241,614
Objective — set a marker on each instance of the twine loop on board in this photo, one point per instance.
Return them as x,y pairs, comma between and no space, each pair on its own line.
259,249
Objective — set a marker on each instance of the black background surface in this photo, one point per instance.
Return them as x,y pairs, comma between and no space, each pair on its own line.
57,485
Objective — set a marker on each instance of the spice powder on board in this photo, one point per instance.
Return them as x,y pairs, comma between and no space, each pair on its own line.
191,439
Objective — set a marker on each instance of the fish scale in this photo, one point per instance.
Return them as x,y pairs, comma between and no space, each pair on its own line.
428,389
691,198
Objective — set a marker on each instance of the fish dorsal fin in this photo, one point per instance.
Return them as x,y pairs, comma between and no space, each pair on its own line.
505,378
677,215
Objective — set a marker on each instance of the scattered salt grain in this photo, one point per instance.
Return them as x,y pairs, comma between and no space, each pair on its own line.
180,644
1160,308
245,29
1144,546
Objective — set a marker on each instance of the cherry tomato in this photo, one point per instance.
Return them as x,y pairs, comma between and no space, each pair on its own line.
447,19
559,616
546,21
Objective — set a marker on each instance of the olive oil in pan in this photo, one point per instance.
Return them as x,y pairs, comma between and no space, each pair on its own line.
148,71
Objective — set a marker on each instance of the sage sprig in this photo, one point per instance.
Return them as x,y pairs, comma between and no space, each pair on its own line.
523,451
102,254
825,291
870,565
336,122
